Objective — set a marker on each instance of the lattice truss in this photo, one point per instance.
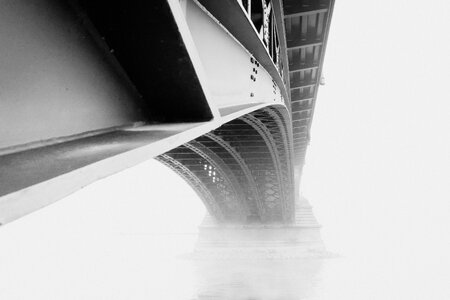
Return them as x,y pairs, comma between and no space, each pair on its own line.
242,170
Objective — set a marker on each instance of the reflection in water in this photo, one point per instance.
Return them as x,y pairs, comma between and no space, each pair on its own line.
67,266
256,280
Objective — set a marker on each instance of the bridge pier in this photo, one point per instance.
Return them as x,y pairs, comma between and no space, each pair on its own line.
262,241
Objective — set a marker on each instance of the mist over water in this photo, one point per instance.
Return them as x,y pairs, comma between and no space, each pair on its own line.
100,243
156,267
265,279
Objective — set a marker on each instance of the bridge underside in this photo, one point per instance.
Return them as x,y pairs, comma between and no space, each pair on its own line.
222,92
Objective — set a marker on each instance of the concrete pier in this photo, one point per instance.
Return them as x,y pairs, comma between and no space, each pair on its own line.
262,241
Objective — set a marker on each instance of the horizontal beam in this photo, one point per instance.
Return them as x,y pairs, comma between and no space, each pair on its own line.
305,13
303,86
305,45
296,6
299,120
302,100
306,68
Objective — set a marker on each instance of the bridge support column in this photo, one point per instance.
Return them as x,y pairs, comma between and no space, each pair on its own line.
261,241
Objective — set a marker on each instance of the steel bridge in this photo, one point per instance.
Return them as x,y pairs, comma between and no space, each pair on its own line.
222,92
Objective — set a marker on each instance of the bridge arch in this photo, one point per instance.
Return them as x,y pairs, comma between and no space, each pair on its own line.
270,124
197,185
252,157
250,181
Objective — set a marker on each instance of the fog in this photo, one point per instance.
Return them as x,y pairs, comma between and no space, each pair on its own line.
376,174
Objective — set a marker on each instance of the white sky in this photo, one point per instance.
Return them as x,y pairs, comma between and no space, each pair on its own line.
379,162
377,171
